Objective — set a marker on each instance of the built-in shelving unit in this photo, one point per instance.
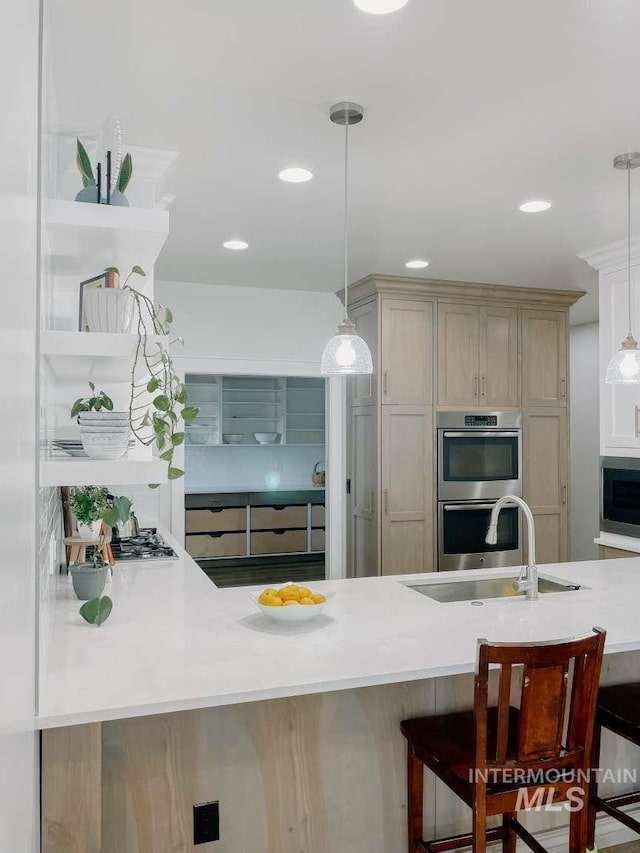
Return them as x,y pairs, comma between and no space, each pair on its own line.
243,405
108,356
78,471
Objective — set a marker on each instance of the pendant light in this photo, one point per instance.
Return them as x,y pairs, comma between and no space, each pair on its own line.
624,367
346,352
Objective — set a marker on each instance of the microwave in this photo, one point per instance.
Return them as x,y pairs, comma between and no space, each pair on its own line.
620,495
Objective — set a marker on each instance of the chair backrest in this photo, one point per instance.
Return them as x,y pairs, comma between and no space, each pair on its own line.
558,694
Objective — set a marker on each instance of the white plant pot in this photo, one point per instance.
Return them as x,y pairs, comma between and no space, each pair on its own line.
89,531
108,309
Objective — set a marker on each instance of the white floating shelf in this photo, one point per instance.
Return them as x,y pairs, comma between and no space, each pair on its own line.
87,237
78,471
104,356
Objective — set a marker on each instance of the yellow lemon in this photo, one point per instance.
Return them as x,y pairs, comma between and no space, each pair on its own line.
307,600
304,591
270,591
289,601
318,598
274,601
289,593
265,597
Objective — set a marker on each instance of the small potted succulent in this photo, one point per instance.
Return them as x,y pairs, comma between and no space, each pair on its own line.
88,505
92,191
105,434
89,578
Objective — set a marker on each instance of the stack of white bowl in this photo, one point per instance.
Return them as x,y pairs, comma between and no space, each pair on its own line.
105,435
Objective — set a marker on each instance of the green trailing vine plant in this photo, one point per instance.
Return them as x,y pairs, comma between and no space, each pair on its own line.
156,421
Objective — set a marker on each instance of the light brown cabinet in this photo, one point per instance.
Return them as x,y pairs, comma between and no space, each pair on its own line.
407,490
544,358
406,352
546,487
364,551
450,345
477,355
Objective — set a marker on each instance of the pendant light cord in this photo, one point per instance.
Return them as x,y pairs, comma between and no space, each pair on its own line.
629,240
346,219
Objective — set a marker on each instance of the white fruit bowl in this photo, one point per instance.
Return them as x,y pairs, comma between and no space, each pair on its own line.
292,614
102,445
267,438
232,437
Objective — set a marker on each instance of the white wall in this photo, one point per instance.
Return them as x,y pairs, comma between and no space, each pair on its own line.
585,442
18,253
249,322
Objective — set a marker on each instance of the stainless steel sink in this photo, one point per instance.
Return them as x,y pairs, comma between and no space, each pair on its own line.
480,588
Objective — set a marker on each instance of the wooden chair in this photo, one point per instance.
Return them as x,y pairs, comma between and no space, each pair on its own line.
618,709
501,759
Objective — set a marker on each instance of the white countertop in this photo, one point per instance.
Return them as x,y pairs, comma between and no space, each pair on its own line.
614,540
176,642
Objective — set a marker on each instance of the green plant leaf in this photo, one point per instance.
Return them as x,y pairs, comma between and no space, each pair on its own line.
167,455
110,517
92,386
83,163
190,412
138,270
175,473
177,438
126,170
182,395
153,385
161,402
122,506
159,425
168,316
97,610
112,269
160,440
153,485
172,416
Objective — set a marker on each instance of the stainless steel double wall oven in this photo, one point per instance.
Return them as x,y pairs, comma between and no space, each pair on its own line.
479,461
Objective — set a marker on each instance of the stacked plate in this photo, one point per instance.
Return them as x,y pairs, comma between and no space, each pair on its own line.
105,435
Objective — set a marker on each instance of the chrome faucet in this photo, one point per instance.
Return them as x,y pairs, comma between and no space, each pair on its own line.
528,580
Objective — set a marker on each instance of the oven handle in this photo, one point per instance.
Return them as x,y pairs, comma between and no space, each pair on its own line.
467,507
478,434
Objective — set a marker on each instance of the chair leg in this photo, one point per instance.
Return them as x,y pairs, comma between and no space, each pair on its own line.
593,787
578,828
415,789
479,831
510,837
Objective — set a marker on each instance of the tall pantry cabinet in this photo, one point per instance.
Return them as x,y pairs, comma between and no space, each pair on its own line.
451,345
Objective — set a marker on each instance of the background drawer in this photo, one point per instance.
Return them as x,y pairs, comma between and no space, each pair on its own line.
267,517
317,540
224,545
204,520
317,515
289,541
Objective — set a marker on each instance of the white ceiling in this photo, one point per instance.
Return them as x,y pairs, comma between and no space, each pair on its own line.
472,106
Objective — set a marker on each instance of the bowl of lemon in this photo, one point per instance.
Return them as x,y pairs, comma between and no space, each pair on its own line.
291,603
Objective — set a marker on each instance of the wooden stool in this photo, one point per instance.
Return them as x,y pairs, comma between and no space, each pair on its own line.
77,548
487,755
618,710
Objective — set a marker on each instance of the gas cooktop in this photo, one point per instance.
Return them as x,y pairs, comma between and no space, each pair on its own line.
147,545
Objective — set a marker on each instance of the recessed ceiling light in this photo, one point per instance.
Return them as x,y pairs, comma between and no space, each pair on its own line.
236,245
295,175
534,206
417,264
380,7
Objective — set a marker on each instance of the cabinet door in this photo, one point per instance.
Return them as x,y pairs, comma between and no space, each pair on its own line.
545,446
364,486
458,374
499,357
544,358
407,351
363,387
407,489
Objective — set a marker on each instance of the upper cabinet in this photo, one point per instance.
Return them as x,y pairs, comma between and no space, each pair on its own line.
363,388
406,352
477,355
544,358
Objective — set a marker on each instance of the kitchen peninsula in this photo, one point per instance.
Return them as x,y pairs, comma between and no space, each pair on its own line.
189,694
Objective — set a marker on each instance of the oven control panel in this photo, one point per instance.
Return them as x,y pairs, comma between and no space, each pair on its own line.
481,420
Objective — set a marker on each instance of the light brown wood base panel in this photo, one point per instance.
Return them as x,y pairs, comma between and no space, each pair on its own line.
310,774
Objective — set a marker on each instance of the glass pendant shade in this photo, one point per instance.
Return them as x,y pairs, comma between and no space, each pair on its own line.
624,367
346,353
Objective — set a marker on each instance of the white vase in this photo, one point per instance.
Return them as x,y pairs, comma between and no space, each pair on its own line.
108,309
89,531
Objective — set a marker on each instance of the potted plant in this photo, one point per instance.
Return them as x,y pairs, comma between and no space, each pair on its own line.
88,505
105,434
158,404
92,189
89,578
